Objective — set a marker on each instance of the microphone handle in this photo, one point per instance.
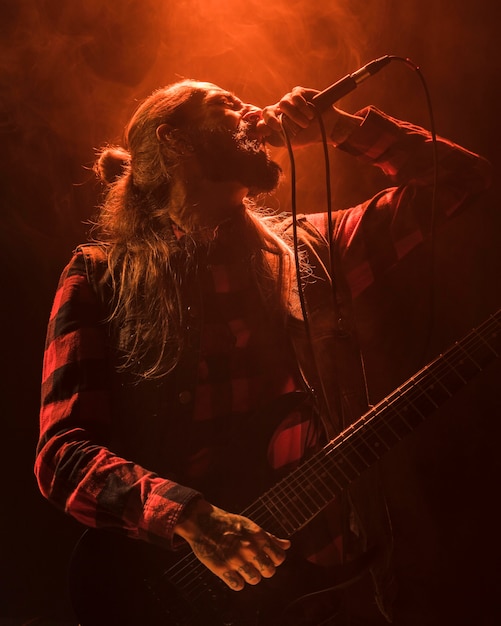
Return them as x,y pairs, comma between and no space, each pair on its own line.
335,92
350,82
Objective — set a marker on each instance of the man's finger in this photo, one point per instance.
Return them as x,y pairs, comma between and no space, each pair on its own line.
275,549
232,579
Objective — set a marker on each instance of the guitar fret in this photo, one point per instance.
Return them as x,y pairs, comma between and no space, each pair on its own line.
486,343
291,506
283,503
388,433
325,477
324,492
441,383
375,433
453,368
470,358
427,393
299,487
309,487
398,426
389,425
342,466
422,404
451,380
371,439
355,459
296,497
377,443
300,495
265,517
322,497
290,500
355,450
278,514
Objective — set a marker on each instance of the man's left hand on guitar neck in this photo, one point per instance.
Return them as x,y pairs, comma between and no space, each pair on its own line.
233,547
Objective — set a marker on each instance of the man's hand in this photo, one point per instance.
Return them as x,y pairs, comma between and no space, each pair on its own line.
299,118
233,547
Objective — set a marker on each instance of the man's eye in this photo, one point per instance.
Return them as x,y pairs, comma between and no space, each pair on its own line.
232,104
229,103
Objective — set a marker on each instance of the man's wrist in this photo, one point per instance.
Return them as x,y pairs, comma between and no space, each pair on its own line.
344,125
186,524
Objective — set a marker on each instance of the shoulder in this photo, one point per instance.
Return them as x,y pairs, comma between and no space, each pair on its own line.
91,253
90,261
94,259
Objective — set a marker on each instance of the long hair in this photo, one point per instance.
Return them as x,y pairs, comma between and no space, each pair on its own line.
134,227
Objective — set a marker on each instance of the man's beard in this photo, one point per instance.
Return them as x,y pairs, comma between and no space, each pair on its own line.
226,155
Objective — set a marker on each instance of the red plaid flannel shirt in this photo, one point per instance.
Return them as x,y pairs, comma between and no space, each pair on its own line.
74,468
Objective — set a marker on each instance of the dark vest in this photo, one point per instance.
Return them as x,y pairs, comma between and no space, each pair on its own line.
326,350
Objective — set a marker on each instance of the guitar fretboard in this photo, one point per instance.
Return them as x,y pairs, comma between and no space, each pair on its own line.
294,501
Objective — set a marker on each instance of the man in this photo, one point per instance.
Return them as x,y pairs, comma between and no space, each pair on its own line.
185,320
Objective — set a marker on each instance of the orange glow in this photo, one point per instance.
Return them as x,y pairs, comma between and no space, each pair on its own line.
73,71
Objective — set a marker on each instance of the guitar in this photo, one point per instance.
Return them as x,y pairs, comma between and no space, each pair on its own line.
142,585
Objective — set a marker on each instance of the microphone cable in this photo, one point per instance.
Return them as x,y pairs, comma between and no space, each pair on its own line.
328,200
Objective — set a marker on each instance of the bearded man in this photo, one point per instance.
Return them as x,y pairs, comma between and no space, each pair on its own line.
183,320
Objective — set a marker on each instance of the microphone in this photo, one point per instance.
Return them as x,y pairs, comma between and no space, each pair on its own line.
350,82
337,90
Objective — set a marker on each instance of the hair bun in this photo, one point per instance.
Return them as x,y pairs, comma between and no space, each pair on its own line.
111,164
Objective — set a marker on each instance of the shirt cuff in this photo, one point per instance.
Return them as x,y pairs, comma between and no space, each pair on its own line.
374,136
162,512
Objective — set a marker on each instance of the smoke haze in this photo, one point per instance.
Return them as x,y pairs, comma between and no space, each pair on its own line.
71,72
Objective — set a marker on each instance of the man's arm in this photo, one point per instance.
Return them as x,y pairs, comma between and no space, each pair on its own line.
376,234
79,474
75,469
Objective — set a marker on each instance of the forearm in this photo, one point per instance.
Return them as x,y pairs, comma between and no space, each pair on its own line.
377,234
405,152
342,125
75,469
402,150
100,489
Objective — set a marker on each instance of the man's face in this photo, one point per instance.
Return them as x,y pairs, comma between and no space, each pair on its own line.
227,143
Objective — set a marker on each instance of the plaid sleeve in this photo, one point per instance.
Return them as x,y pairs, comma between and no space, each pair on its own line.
74,468
375,235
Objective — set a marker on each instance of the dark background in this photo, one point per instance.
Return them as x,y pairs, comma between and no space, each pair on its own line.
71,73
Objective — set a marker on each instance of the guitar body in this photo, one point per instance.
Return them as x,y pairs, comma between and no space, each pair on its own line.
116,581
